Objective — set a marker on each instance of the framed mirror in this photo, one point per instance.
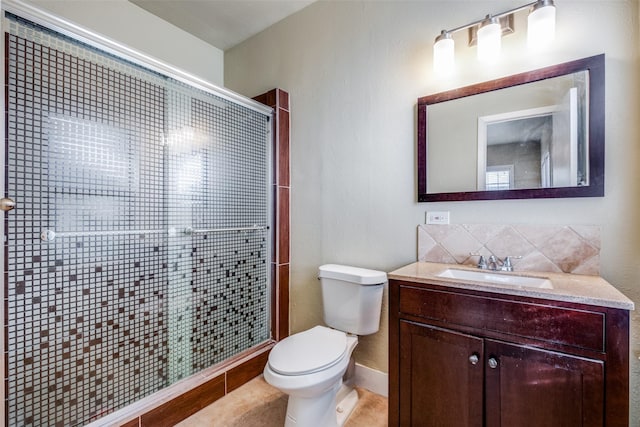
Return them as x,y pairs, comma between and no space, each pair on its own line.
538,134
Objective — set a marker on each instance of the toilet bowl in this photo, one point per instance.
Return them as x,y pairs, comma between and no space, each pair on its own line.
309,365
309,368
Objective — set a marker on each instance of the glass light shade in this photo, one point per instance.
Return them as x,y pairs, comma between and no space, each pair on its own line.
489,40
443,54
541,30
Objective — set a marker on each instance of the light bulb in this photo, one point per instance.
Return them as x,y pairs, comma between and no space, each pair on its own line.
443,54
541,23
489,40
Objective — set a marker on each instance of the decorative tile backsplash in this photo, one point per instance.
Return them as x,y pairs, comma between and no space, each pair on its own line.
552,248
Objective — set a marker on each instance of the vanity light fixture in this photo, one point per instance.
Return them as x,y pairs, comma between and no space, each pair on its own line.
541,24
488,32
443,53
489,39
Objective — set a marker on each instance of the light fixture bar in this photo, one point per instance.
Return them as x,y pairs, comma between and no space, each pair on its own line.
493,15
541,23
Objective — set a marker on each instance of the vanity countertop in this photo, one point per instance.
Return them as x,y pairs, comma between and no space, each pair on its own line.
592,290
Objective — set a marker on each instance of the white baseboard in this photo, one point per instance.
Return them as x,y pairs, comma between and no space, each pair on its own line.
372,380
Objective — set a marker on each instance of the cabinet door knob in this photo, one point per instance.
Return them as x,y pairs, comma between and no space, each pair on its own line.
493,363
474,359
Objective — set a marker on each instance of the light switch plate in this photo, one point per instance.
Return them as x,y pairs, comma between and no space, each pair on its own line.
440,217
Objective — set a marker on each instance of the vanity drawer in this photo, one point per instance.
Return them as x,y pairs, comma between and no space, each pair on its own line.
576,328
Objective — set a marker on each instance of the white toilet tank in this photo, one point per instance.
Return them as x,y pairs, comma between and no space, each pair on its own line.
352,298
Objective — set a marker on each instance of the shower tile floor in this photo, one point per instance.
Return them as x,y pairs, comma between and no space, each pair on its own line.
257,404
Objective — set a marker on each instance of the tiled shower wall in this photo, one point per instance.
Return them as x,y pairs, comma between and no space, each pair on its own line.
562,248
278,99
139,251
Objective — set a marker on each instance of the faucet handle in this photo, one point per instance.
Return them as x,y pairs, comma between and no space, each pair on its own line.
506,264
482,263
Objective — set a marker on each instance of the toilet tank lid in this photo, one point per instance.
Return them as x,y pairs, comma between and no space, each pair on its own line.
361,276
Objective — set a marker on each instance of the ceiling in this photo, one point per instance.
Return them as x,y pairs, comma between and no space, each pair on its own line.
222,23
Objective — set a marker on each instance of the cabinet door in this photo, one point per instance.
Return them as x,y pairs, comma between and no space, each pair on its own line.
532,387
441,377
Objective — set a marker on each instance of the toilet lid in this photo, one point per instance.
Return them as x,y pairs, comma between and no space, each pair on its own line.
310,351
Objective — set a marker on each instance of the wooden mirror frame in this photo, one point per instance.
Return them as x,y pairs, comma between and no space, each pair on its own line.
594,65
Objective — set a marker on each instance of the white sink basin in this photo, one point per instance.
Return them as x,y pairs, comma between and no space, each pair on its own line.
497,278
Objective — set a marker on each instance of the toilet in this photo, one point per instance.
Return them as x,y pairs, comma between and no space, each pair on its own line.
309,365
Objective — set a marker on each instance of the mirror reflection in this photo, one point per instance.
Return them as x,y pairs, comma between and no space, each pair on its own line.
500,139
528,136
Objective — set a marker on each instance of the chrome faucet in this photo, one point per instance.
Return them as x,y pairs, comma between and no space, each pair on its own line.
482,263
495,264
506,264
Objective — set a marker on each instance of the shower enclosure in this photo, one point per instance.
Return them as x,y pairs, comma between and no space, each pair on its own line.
139,250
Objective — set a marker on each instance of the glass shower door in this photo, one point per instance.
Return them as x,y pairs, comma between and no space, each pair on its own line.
138,252
217,210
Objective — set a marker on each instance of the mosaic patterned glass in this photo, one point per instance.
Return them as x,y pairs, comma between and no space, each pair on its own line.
138,253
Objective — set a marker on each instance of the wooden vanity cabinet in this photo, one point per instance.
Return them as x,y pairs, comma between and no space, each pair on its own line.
468,358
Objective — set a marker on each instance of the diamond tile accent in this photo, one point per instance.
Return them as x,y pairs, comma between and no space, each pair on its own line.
568,249
460,244
508,242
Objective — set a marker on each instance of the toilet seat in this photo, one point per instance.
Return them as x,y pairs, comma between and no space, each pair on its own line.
309,351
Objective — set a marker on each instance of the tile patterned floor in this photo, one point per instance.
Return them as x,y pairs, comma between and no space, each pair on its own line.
257,404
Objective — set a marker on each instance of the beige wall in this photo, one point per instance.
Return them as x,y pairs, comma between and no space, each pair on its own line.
354,70
134,27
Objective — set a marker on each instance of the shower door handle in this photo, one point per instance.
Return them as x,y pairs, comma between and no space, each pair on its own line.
7,204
